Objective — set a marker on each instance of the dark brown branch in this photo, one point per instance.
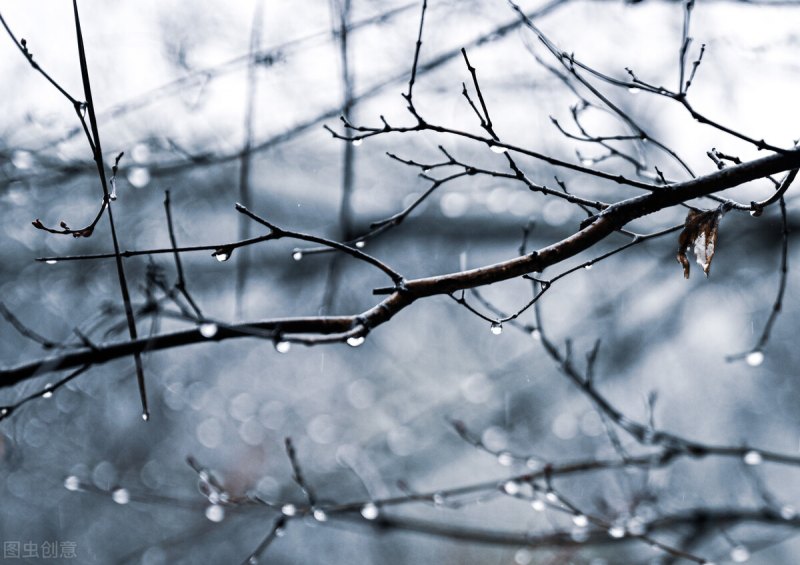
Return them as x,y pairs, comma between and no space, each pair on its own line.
607,222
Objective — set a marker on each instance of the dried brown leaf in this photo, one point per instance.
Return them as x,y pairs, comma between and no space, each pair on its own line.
700,232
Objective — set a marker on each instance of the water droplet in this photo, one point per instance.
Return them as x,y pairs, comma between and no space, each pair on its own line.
580,520
756,213
282,346
357,142
356,340
496,328
139,177
72,483
319,515
140,153
616,532
634,90
523,557
297,255
505,459
740,554
538,505
215,513
222,255
280,532
753,457
588,266
121,496
145,417
370,511
289,509
51,261
587,162
788,512
22,159
511,488
536,335
438,499
253,560
754,358
48,392
361,244
208,329
497,148
552,497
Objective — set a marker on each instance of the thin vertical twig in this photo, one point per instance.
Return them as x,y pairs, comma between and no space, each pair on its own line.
98,159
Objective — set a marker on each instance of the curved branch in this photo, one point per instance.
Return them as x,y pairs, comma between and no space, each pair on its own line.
340,328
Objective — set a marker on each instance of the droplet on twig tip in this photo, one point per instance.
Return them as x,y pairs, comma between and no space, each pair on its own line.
215,513
72,483
754,358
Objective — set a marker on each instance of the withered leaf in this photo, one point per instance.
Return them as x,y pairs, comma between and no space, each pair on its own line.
700,230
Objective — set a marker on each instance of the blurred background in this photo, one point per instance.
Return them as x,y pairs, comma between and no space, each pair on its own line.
185,88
